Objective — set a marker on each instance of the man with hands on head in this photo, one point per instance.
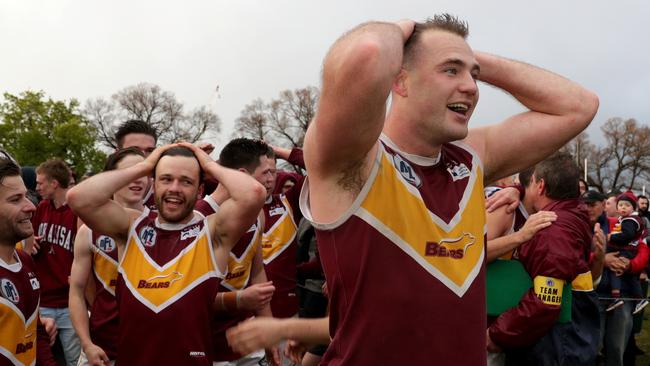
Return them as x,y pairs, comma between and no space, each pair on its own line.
393,195
170,261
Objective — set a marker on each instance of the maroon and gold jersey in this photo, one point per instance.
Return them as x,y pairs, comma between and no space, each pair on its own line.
240,264
104,320
58,229
167,283
19,296
405,264
280,250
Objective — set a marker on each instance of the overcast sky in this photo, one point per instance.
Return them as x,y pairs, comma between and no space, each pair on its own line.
87,49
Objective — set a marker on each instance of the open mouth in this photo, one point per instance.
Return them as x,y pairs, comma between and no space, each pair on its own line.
137,189
460,108
173,202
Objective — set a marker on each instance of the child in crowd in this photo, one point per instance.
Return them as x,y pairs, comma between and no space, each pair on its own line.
625,238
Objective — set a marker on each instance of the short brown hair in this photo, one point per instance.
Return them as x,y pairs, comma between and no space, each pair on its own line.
8,166
56,169
116,157
561,175
443,22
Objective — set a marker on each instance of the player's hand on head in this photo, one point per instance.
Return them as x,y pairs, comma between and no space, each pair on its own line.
406,26
153,158
201,155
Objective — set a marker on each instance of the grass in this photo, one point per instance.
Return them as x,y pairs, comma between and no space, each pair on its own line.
643,340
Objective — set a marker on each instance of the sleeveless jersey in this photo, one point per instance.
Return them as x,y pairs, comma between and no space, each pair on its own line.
104,320
405,264
240,264
166,287
280,250
19,296
58,229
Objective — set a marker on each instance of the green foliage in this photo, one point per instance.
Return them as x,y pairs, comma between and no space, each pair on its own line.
34,129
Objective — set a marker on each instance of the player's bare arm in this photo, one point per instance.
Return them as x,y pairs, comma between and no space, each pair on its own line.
358,73
259,333
79,276
92,199
559,109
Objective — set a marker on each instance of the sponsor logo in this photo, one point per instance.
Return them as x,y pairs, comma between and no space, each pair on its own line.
106,244
191,232
35,284
9,291
454,248
161,281
406,171
276,211
197,354
24,347
238,271
148,236
458,171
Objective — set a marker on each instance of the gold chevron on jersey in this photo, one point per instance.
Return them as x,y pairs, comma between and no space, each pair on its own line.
239,268
279,236
20,346
105,269
157,286
451,252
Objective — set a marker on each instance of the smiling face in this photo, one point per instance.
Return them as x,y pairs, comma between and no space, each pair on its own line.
132,194
440,86
176,187
15,211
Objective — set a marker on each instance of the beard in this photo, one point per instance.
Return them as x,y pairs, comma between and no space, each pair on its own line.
175,216
12,234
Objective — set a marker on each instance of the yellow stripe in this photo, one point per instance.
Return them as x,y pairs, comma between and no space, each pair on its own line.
240,271
159,286
16,337
105,269
406,215
281,236
583,282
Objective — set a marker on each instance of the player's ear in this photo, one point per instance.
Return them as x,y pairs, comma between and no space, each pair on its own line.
400,84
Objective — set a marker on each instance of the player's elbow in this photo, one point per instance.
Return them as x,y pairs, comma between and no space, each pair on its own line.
585,108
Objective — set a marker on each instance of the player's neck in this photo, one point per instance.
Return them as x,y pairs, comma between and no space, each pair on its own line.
409,138
7,252
59,198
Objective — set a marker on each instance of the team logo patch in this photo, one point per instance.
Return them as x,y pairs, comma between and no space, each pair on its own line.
458,171
237,271
35,284
9,291
148,236
406,171
454,248
106,244
276,211
191,232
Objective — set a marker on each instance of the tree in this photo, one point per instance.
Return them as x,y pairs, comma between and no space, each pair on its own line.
157,107
623,162
253,121
283,121
34,129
